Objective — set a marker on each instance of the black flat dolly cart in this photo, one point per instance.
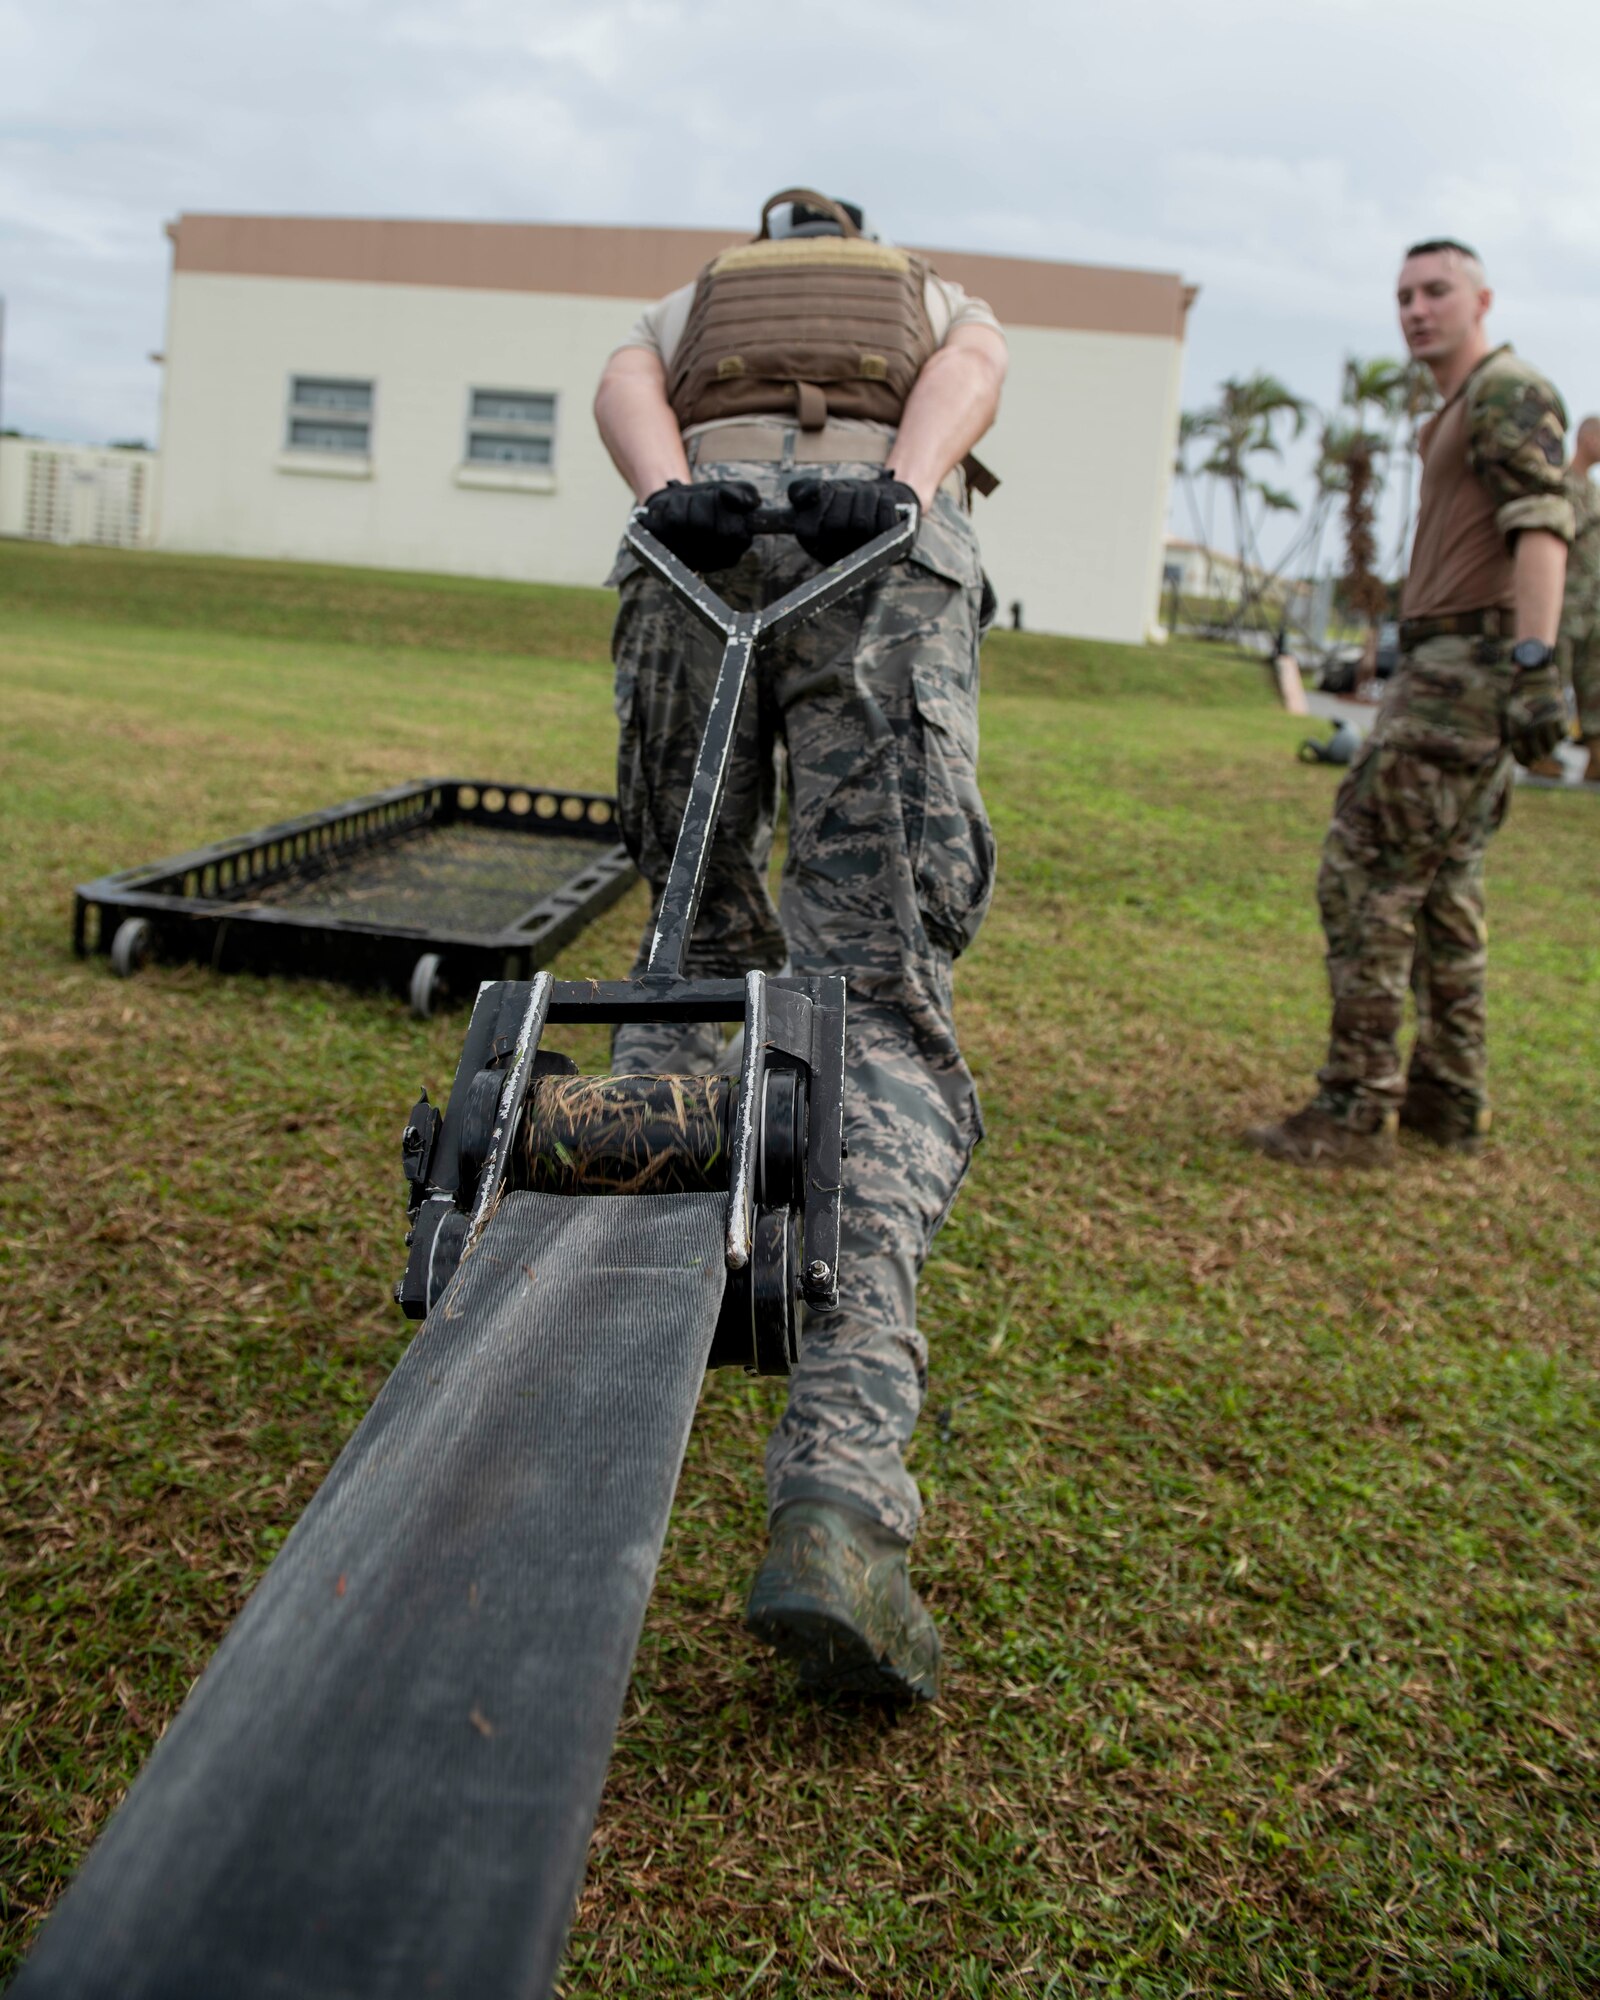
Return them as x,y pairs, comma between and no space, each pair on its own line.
428,889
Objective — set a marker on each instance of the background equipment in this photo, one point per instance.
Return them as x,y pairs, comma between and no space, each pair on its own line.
385,1781
1338,747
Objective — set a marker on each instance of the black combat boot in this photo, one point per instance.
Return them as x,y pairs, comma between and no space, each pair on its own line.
834,1596
1329,1133
1435,1112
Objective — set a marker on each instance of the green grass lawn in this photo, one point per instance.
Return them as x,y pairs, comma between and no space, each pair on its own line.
1263,1511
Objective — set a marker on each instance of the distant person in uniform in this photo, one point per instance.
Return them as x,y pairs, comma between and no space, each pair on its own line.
1580,614
821,366
1401,883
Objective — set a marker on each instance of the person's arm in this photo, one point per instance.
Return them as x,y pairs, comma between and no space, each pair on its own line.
636,422
1516,431
1539,578
952,405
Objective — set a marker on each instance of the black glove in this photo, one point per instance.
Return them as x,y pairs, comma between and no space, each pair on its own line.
708,527
1536,714
834,517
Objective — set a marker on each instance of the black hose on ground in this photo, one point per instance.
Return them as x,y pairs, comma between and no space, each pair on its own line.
384,1783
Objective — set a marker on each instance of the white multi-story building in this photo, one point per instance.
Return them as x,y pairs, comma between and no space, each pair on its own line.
417,395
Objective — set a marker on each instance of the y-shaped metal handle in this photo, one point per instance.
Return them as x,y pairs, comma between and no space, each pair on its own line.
741,632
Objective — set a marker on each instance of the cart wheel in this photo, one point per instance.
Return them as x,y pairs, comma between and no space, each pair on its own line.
130,947
425,985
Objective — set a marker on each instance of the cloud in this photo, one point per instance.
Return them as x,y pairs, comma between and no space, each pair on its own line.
1280,157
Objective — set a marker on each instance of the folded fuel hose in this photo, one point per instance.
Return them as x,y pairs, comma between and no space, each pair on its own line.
384,1782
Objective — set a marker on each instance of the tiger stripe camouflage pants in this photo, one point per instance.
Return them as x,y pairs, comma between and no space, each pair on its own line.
1400,887
886,878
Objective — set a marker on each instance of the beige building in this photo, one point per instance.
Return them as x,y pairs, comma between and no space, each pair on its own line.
417,395
52,492
1199,572
1202,572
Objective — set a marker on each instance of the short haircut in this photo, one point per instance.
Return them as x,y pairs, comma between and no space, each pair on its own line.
1589,427
1449,246
1436,243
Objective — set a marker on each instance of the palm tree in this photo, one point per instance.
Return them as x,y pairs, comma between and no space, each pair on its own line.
1418,398
1400,394
1192,431
1328,477
1355,453
1242,427
1381,386
1381,383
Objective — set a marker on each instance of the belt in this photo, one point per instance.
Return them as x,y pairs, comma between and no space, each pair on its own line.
771,443
1491,624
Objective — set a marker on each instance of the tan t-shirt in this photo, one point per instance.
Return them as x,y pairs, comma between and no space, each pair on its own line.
1491,469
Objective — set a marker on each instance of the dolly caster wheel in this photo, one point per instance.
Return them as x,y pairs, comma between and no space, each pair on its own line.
426,985
130,947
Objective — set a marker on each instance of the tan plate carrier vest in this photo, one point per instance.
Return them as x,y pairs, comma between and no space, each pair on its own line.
808,326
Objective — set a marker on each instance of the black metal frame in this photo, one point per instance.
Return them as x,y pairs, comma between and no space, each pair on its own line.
778,1252
456,1163
741,633
198,905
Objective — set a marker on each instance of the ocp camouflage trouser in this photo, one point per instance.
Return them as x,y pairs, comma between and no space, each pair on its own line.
1580,665
888,873
1400,887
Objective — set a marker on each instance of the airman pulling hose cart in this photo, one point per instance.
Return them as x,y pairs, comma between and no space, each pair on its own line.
385,1781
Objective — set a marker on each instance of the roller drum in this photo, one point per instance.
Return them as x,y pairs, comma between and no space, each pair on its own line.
625,1135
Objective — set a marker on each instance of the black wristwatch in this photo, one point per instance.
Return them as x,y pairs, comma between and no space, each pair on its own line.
1529,655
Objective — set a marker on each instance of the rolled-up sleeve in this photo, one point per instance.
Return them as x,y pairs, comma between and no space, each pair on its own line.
659,328
643,333
1516,445
950,305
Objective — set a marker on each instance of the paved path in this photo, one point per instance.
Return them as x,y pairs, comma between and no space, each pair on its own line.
1339,708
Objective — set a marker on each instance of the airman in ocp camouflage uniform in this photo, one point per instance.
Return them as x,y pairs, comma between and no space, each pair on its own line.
1401,883
820,366
1579,648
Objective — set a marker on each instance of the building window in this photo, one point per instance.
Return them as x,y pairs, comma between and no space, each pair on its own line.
329,414
512,427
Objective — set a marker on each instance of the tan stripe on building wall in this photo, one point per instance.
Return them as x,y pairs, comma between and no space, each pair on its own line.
599,262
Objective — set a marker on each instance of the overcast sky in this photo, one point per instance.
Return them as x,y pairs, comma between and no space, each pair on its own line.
1278,153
